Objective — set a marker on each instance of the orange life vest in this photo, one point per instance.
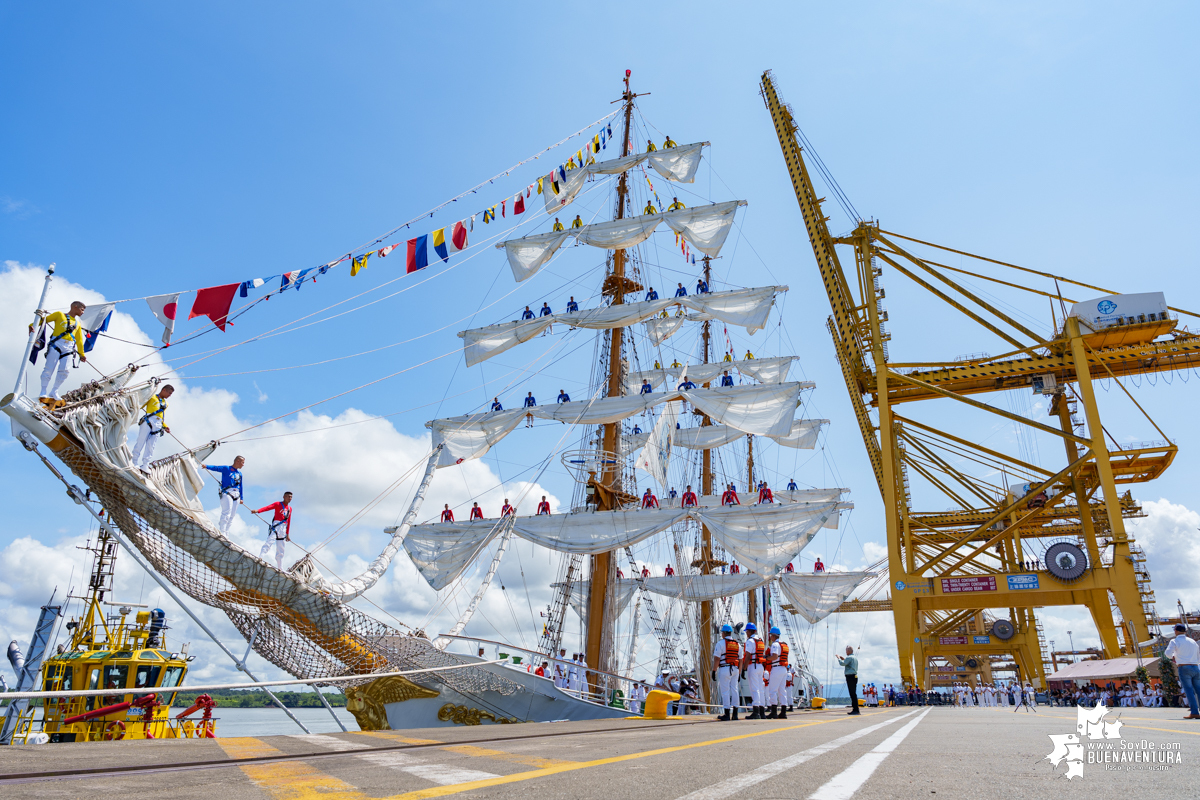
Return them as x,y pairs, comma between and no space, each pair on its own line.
783,654
731,653
760,652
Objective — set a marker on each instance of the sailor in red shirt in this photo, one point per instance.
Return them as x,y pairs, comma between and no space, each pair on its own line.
506,510
789,568
764,494
476,511
689,498
543,507
730,498
279,530
649,500
670,570
620,575
645,572
447,514
734,569
818,567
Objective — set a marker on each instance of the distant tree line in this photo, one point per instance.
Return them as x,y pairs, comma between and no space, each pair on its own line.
257,698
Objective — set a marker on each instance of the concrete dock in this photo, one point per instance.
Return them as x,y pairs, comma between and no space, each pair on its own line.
884,753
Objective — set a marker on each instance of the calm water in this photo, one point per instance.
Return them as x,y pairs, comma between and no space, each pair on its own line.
273,722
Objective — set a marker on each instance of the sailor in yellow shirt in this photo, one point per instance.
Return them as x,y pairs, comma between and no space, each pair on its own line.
669,143
577,222
657,365
151,427
65,333
749,356
675,364
676,206
728,358
558,226
650,148
649,209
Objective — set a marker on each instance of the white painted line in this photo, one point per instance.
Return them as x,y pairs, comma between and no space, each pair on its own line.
329,742
737,783
441,774
843,785
392,760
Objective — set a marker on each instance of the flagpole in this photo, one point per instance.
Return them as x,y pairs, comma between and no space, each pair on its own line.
33,333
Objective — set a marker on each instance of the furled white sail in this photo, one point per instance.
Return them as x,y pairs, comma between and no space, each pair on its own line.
655,456
659,329
471,435
816,596
623,592
748,308
764,538
781,497
763,370
594,532
803,436
526,256
705,227
677,164
443,551
696,588
761,410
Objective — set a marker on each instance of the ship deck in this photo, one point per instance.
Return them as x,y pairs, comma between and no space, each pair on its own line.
885,753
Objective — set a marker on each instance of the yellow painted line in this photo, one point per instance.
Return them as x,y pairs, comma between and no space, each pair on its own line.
298,781
239,747
443,791
396,737
501,755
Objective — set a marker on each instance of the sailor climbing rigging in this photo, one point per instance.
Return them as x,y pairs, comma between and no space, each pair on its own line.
151,426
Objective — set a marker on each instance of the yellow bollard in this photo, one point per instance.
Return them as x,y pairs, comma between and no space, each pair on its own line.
655,706
818,702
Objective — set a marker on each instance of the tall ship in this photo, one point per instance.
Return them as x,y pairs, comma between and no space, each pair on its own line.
677,525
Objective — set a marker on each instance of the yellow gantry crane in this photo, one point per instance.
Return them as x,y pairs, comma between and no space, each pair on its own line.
1032,537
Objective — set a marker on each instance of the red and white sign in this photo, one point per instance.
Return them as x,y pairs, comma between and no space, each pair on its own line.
975,583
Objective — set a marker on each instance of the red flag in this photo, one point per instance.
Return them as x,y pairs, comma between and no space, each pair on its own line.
214,303
502,202
519,205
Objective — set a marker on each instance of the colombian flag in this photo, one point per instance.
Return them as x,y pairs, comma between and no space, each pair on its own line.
418,253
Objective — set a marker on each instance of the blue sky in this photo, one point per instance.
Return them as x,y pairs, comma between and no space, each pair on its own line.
151,148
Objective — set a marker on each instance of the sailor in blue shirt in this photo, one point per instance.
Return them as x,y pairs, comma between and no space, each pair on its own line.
727,379
792,485
636,429
651,295
527,313
687,385
545,312
530,402
231,491
681,292
672,494
563,397
496,404
572,306
701,286
646,387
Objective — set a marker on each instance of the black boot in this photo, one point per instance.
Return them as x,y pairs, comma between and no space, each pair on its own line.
783,712
724,717
735,712
755,713
773,714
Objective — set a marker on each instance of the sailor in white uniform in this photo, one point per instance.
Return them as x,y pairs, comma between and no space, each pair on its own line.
727,665
560,669
753,665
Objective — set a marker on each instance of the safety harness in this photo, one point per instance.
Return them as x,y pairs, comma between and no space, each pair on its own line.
162,410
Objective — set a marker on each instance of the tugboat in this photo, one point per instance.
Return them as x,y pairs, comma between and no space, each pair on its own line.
107,651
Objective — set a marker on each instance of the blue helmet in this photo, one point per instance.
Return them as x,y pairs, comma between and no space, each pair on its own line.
774,631
726,629
751,627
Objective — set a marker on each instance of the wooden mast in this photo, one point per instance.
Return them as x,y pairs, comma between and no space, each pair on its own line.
705,628
616,285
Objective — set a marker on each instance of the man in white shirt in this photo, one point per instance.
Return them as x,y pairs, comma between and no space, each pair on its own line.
1186,654
560,669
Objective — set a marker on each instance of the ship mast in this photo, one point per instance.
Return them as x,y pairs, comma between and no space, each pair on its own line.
608,495
705,628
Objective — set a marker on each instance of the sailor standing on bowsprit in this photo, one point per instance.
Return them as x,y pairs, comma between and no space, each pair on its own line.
66,340
151,426
231,491
279,529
